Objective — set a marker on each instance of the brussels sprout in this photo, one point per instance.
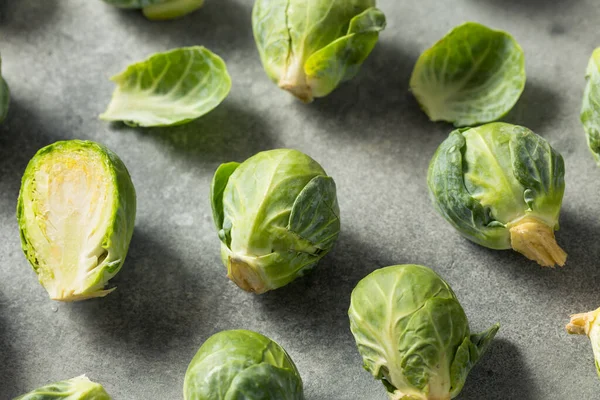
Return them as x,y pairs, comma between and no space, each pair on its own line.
76,213
171,88
472,76
590,111
242,365
310,47
501,186
160,9
413,334
4,95
80,388
588,324
277,215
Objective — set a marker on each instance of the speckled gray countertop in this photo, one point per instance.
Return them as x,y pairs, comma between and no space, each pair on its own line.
369,135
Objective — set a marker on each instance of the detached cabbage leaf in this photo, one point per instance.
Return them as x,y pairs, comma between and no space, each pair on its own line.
413,334
76,213
590,111
160,9
171,88
309,47
240,364
80,388
472,76
4,96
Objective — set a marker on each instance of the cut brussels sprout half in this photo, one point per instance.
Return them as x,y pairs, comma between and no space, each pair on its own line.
472,76
590,111
80,388
501,186
160,9
310,47
588,324
413,334
277,215
76,213
4,96
171,88
240,364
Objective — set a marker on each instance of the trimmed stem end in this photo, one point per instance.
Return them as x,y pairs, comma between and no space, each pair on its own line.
535,240
295,81
243,275
581,324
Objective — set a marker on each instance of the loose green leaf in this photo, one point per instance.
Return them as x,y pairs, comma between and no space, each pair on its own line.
80,388
4,96
309,48
160,9
590,111
240,364
472,76
413,334
76,213
171,88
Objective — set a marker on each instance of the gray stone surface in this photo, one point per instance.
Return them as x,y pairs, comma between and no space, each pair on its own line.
370,135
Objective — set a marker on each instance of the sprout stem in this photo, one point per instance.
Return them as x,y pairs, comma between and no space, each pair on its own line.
245,276
581,324
294,80
535,240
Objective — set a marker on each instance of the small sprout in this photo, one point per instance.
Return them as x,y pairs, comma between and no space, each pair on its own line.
413,334
80,388
241,364
76,213
160,9
590,111
501,186
472,76
308,49
171,88
276,214
588,324
4,96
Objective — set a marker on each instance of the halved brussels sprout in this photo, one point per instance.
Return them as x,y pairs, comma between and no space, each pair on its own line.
501,186
590,111
76,213
160,9
472,76
413,334
277,215
4,96
242,365
588,324
310,47
80,388
171,88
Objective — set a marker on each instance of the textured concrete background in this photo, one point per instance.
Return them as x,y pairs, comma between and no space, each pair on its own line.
369,135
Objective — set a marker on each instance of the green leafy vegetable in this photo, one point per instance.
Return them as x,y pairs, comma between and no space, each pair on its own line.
309,47
76,213
170,88
80,388
277,215
4,96
242,365
501,186
160,9
590,111
472,76
588,324
413,334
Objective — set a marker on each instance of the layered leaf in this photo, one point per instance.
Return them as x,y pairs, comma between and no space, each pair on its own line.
80,388
472,76
590,111
170,88
160,9
4,96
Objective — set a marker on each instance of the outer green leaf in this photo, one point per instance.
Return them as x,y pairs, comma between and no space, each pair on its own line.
242,365
76,213
217,188
160,9
412,333
472,76
280,216
590,111
4,96
80,388
170,88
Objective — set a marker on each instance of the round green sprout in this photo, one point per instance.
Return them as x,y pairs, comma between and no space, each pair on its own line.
242,365
590,110
276,214
310,47
160,9
588,324
501,186
76,213
413,334
80,388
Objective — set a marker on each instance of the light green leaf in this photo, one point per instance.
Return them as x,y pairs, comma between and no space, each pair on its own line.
160,9
217,188
472,76
170,88
80,388
4,96
590,110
